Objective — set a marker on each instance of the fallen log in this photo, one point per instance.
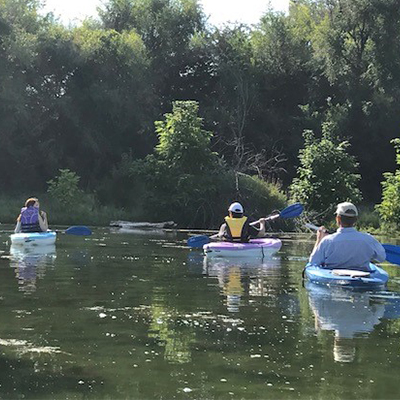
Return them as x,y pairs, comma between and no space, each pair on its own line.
143,225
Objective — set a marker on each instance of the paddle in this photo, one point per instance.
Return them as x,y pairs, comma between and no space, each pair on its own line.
392,251
291,211
314,227
78,230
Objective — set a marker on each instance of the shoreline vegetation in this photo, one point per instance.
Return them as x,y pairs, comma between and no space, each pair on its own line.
91,213
148,113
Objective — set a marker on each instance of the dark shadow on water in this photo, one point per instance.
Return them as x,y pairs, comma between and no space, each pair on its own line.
41,378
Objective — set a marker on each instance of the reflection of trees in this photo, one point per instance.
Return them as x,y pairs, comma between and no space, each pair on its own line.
163,326
30,264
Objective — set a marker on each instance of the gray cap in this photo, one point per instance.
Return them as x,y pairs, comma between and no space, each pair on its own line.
347,209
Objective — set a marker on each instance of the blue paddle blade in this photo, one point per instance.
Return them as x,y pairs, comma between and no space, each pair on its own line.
392,253
292,211
78,231
198,241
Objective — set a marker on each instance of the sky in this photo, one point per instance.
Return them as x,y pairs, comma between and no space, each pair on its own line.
219,11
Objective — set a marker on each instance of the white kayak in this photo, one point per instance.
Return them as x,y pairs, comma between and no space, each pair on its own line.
254,248
33,238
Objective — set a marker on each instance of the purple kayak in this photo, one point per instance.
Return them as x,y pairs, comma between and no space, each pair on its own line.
255,248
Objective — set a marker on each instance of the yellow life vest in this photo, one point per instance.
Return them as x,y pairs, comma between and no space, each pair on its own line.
236,226
234,285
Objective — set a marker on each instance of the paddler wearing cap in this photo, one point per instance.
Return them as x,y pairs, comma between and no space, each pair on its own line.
238,228
346,248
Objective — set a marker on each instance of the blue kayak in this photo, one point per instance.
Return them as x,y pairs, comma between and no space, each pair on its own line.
34,238
376,278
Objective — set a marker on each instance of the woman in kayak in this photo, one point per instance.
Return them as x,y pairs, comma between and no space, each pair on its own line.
237,227
346,248
31,218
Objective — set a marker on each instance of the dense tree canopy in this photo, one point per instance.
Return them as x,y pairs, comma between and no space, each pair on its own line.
86,97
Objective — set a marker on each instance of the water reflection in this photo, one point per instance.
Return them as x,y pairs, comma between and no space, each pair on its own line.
176,338
144,232
240,278
349,314
30,264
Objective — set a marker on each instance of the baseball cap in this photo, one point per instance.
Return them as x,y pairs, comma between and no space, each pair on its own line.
347,209
236,207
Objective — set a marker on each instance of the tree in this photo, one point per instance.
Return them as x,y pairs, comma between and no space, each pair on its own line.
166,28
355,46
107,105
389,208
327,173
182,175
183,144
64,188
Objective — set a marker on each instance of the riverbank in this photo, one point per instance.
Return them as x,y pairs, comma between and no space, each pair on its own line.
85,212
88,211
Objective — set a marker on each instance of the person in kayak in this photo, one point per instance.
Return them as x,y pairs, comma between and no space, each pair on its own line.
31,219
237,227
346,248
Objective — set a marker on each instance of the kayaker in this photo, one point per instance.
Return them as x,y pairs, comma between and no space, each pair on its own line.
31,219
346,248
238,228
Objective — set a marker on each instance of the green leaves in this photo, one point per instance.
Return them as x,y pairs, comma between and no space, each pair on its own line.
64,188
389,208
326,175
182,174
182,141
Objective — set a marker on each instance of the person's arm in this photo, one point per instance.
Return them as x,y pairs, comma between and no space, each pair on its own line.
317,256
321,233
379,251
44,226
257,232
261,229
221,232
18,227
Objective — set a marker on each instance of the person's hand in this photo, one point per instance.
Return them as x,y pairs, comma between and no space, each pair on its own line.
321,233
43,214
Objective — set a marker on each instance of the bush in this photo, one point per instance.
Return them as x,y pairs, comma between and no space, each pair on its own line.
389,208
327,173
64,188
368,219
66,204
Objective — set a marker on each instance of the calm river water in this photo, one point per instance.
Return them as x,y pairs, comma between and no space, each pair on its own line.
128,316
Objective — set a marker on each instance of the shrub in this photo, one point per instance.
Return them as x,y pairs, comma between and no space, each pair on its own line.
64,188
389,208
327,173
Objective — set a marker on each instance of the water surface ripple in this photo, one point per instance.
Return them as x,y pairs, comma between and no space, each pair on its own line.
140,316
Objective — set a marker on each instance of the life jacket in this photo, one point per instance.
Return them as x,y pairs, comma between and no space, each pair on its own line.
237,229
30,219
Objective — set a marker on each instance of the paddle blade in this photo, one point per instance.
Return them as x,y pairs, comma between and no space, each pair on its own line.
198,241
392,253
78,231
292,211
